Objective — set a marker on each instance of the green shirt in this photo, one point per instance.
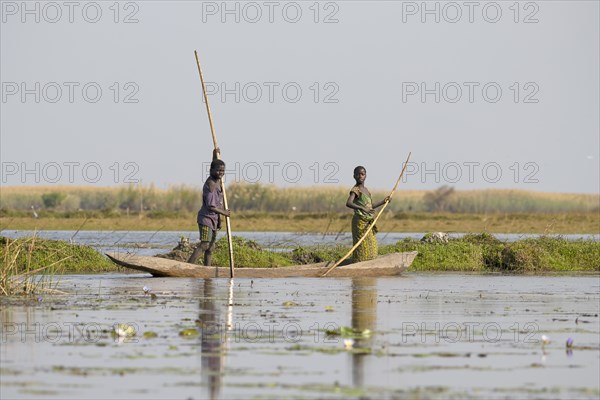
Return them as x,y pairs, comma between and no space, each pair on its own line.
364,200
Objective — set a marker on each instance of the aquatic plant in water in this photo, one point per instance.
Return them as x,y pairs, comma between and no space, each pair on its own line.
124,330
20,273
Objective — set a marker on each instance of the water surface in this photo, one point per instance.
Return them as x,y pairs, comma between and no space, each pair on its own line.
419,335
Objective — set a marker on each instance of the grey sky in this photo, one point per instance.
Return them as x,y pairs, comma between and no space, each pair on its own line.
361,75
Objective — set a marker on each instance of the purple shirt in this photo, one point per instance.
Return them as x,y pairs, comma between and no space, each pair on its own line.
210,199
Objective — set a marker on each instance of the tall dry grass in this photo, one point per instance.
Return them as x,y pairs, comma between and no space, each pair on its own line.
265,198
19,275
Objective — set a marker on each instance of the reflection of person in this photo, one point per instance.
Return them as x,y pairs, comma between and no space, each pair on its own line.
212,355
364,316
364,209
209,216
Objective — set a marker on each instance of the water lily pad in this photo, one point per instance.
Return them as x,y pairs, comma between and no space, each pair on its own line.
190,332
347,332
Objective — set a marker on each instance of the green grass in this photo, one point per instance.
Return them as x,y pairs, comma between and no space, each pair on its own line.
485,253
476,252
18,275
456,255
248,253
33,253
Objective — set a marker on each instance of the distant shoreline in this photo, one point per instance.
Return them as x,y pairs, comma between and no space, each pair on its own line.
332,223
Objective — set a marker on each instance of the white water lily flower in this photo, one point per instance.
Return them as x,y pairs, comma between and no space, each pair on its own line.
348,344
545,339
146,289
124,330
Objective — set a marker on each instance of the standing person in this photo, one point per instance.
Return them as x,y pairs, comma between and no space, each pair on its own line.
364,209
209,216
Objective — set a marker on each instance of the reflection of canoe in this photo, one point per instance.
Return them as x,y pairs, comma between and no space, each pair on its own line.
387,265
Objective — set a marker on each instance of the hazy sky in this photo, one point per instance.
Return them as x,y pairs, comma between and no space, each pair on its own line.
484,94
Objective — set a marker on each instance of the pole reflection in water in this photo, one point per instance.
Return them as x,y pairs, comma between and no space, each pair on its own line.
364,316
214,337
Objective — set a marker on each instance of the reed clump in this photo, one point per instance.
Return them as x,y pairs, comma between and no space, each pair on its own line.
536,254
309,255
485,253
248,253
30,264
475,252
21,273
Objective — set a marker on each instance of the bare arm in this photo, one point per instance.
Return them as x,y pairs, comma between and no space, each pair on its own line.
216,154
382,202
226,213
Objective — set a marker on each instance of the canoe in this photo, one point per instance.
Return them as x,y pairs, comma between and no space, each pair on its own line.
387,265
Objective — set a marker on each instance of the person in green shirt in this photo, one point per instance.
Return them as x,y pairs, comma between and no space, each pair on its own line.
364,213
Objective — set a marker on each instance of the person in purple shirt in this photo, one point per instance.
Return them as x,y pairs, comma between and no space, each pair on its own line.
209,216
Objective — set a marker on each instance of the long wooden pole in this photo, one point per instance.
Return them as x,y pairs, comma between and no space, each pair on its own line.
214,137
373,223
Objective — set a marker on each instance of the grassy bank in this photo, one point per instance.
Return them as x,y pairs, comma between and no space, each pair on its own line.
478,253
30,264
36,254
542,223
485,253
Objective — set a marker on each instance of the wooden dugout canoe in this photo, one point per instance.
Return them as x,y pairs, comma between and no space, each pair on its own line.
387,265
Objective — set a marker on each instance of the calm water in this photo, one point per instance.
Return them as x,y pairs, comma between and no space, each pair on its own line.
418,336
